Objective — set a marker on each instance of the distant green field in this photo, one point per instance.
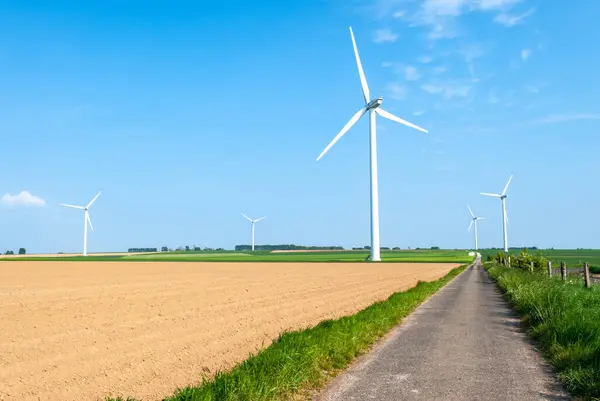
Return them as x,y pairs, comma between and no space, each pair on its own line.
429,256
573,257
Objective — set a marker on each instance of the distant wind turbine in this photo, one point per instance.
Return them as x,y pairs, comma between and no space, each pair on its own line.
253,222
504,216
86,220
371,106
474,223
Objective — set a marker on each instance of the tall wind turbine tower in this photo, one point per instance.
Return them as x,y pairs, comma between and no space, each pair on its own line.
474,223
371,106
502,198
253,222
86,219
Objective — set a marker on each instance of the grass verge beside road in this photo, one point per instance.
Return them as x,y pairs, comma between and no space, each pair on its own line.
564,318
299,361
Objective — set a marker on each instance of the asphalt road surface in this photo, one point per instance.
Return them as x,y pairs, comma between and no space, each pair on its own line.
465,343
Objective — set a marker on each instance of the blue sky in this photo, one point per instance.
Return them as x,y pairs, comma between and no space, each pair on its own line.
186,115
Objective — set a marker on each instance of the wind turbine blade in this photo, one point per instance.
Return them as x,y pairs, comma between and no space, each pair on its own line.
363,79
249,219
93,200
73,206
257,220
392,117
470,225
494,195
470,211
87,217
348,125
507,184
480,218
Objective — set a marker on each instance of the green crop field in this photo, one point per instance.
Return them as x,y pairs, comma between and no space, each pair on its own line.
572,257
415,256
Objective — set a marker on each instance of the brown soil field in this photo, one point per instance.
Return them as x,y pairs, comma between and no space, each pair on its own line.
88,330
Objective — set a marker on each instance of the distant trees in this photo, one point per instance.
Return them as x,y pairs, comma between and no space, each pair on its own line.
287,247
187,248
22,251
9,253
143,249
164,249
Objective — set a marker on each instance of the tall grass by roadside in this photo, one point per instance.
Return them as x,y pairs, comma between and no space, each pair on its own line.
564,317
302,360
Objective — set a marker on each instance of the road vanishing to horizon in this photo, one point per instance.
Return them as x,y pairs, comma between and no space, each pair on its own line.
464,343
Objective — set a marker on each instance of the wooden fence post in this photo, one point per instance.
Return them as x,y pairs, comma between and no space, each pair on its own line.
586,275
549,269
563,270
508,259
531,267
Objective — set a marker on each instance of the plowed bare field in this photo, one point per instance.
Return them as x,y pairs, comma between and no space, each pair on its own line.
87,330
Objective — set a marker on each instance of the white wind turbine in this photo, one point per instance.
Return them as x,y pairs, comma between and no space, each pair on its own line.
86,220
371,106
474,223
504,217
253,222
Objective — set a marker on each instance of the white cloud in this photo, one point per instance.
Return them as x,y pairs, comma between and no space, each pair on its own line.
399,14
525,54
448,90
563,118
24,198
495,4
386,64
441,15
396,91
492,97
512,20
418,112
384,35
536,88
425,59
411,73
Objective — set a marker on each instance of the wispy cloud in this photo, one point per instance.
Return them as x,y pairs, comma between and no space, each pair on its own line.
418,112
525,54
425,59
535,88
384,35
24,198
396,91
411,73
509,20
447,90
440,16
564,118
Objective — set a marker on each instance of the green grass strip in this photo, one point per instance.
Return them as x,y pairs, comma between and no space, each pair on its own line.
564,318
298,361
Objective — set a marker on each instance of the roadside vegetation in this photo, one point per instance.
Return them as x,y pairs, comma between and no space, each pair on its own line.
299,361
563,317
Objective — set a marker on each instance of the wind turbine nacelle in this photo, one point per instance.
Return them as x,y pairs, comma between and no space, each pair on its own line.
373,104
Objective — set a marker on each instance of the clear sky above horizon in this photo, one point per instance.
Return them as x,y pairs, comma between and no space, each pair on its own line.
186,115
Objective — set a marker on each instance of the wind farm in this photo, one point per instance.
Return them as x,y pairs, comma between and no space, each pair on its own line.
189,116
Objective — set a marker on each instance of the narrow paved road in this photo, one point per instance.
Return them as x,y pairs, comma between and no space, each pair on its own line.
465,343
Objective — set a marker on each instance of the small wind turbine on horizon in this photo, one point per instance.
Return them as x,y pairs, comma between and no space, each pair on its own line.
502,198
474,223
371,106
86,219
253,222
